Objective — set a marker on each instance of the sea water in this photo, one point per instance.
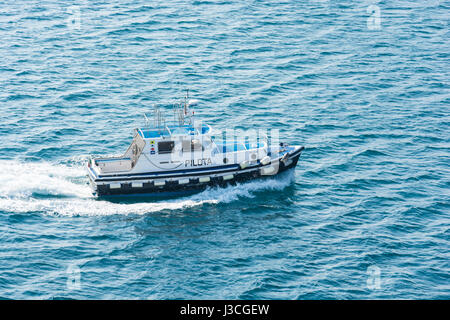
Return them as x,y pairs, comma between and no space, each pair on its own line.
363,85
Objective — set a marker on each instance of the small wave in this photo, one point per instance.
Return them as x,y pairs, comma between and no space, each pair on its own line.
369,153
62,190
76,96
15,97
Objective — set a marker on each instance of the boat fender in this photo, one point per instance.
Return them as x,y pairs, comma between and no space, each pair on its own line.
137,184
244,164
268,170
265,160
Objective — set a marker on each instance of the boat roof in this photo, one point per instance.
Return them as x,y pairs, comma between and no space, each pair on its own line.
174,130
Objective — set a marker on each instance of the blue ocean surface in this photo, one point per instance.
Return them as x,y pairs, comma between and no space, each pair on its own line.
363,85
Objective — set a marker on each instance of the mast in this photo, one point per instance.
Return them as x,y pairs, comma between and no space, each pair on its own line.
185,101
187,104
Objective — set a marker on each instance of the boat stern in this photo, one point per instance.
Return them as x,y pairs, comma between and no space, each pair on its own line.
91,174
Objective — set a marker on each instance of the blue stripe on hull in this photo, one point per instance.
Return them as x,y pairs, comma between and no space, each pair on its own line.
160,173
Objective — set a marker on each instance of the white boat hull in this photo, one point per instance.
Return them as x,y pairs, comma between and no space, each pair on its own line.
192,179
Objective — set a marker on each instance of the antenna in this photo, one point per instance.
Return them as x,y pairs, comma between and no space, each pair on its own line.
159,120
164,128
180,116
185,102
174,113
147,122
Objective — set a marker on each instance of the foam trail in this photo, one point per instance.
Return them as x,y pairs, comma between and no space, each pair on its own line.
246,190
22,180
63,191
91,207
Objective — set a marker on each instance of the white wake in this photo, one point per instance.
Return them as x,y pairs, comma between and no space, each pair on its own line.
63,190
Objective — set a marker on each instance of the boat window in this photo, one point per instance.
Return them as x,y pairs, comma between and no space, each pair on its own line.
165,147
192,145
186,144
196,145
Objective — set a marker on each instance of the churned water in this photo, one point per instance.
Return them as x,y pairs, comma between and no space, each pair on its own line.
363,85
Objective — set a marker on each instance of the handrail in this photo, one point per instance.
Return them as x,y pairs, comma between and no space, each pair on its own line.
168,130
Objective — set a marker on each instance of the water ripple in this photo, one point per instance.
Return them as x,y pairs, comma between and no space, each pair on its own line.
370,191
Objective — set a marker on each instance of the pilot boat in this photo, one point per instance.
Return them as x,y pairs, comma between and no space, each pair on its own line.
184,156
